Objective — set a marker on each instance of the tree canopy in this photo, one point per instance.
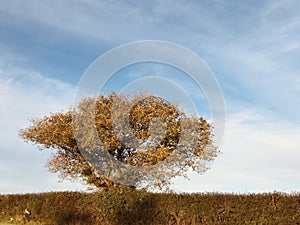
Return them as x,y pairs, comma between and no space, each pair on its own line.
154,123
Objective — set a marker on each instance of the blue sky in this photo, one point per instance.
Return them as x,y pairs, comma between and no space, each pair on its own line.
252,47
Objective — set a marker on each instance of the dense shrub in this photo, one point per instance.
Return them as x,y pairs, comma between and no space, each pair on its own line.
139,207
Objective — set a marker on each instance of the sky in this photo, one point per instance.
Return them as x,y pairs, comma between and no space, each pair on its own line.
251,47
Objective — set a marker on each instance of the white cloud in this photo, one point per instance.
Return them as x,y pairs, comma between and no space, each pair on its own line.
23,95
257,156
254,50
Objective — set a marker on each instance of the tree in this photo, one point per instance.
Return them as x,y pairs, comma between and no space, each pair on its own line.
156,129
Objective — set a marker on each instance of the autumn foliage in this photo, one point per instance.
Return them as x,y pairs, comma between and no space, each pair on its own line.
147,133
135,207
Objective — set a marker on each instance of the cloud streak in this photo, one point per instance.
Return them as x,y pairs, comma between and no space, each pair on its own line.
26,94
249,48
257,157
252,47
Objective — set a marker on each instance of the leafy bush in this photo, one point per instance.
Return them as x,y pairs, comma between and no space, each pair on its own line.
130,206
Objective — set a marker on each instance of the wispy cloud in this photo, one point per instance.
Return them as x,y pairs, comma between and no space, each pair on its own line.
23,95
257,156
251,46
254,49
